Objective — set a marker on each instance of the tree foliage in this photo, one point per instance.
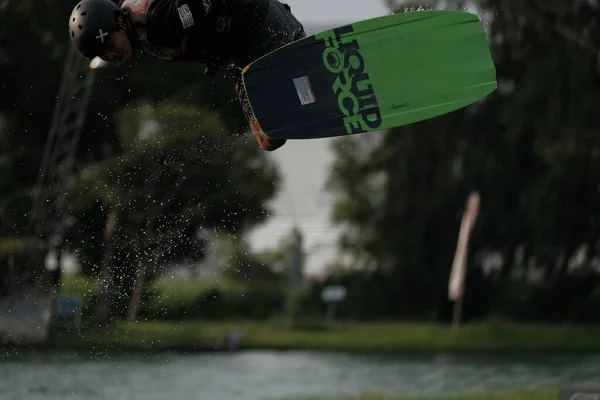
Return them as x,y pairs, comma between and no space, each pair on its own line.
531,149
163,152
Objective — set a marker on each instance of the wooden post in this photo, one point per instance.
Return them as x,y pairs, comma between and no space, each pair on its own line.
456,313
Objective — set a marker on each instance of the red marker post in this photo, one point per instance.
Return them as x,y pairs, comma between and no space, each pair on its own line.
459,266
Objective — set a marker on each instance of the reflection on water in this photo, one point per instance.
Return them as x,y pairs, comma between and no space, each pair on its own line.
257,375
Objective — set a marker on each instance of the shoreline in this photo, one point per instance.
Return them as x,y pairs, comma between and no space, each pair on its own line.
408,339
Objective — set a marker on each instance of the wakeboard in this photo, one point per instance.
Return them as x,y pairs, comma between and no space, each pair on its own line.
372,75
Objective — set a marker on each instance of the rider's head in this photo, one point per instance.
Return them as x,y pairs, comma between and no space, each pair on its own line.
100,28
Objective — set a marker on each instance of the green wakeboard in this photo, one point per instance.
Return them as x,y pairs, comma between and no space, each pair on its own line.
371,75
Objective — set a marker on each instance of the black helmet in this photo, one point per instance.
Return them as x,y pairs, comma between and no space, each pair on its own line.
91,23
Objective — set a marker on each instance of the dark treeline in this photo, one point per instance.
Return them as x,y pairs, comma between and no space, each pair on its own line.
532,151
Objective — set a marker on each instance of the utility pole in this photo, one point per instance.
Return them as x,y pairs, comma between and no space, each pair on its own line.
61,146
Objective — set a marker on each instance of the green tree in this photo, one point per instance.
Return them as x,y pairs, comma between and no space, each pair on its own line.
33,45
530,149
178,174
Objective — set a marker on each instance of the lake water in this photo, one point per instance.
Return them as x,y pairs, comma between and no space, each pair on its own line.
260,375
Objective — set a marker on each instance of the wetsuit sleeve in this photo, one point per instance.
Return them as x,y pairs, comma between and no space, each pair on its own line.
168,21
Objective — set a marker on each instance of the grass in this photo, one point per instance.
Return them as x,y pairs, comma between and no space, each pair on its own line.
355,337
489,337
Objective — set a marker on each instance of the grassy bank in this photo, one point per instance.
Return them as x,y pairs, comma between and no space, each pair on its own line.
203,333
522,395
364,337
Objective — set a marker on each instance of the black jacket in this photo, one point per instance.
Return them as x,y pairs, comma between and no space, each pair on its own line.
209,31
